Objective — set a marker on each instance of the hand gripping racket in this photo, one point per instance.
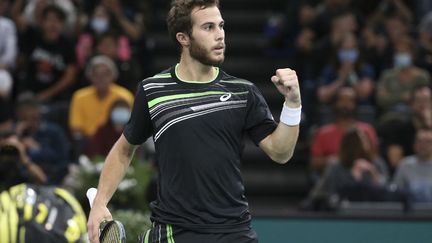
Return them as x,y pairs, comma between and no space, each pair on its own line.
110,231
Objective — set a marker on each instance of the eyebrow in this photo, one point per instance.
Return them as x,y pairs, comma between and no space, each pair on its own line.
206,23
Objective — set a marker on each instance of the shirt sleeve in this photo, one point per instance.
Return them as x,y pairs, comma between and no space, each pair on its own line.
317,144
75,119
139,127
9,53
259,120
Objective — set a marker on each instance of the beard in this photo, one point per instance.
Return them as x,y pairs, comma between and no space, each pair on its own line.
345,113
199,53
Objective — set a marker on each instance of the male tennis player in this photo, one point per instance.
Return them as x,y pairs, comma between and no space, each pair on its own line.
198,115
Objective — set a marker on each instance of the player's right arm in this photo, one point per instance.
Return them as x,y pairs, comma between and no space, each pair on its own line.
115,167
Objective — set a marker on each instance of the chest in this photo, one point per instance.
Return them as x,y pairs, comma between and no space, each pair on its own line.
47,58
214,110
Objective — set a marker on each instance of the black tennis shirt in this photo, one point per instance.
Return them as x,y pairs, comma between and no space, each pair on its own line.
198,129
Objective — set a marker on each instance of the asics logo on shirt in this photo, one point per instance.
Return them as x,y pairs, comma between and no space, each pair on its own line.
225,97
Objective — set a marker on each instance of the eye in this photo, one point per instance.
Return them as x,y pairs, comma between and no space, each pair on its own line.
208,27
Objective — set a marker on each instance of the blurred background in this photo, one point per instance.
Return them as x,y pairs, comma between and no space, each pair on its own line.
362,169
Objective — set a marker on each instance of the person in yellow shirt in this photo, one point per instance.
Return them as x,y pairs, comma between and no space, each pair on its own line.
90,106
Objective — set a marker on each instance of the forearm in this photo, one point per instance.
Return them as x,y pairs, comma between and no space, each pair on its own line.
35,172
17,16
325,93
114,169
279,145
66,81
131,29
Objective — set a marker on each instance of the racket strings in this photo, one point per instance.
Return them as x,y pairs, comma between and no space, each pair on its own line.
111,234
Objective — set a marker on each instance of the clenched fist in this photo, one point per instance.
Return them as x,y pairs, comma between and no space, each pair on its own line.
286,82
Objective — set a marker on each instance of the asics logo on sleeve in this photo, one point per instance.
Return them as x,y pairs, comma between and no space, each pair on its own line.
225,97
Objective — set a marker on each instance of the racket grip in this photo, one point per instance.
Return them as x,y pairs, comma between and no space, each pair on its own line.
91,194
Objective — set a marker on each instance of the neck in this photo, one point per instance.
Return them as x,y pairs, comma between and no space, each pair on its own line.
102,93
344,122
193,70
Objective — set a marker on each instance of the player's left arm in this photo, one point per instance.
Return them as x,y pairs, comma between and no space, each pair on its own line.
280,144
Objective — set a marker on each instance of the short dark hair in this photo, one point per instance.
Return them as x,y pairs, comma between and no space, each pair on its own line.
408,42
179,16
52,8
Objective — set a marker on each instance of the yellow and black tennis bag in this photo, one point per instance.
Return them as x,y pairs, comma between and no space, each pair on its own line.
42,214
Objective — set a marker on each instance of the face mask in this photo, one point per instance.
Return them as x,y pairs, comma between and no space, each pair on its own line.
348,55
100,25
120,115
402,60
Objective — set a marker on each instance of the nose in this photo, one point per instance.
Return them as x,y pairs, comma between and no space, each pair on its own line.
220,35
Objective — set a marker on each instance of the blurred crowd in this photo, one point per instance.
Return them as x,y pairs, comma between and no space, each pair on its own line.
68,73
365,69
69,69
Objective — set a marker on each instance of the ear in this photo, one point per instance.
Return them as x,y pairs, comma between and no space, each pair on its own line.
183,39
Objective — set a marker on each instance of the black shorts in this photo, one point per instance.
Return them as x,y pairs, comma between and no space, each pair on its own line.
162,233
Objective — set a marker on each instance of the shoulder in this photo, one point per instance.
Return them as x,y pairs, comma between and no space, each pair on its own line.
327,129
422,73
52,128
232,80
84,92
7,24
408,161
365,126
164,77
238,85
66,42
388,73
119,90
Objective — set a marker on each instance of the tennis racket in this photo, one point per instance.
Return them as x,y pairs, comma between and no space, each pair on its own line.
110,231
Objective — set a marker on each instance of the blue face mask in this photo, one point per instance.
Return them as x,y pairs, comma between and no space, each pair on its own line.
99,25
120,115
402,60
348,55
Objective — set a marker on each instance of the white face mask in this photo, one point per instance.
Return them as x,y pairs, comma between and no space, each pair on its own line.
402,60
120,115
99,25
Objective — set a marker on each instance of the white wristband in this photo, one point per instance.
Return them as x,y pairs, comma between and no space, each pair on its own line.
290,116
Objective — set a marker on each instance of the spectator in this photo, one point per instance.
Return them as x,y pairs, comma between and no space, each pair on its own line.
129,20
8,40
376,48
341,24
415,172
91,105
29,13
101,22
357,167
329,11
50,69
46,143
129,72
6,83
425,39
326,143
396,84
101,143
347,69
397,145
396,26
15,165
